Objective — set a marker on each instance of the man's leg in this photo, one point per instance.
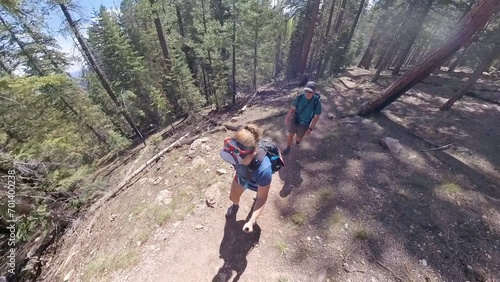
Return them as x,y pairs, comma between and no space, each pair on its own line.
301,131
292,129
289,140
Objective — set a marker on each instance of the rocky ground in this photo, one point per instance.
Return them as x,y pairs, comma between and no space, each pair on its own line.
411,194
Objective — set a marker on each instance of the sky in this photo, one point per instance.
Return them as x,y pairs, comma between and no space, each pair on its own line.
65,41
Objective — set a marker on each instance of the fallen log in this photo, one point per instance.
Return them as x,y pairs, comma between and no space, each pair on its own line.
129,177
475,96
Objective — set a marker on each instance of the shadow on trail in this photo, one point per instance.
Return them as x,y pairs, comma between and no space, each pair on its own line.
234,248
291,176
413,207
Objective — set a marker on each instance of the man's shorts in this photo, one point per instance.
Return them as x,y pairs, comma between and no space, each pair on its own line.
299,129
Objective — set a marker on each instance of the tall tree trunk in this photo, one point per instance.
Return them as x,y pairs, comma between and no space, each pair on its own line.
277,56
100,75
309,35
322,42
483,65
336,29
233,38
479,15
414,51
377,32
161,36
459,58
396,41
255,45
188,51
412,36
422,55
340,17
355,24
208,68
205,84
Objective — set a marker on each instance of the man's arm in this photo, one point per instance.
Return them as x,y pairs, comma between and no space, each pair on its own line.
290,114
313,122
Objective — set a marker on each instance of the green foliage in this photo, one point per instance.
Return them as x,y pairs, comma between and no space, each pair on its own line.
34,221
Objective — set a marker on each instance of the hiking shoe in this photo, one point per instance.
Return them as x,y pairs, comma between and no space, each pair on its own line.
232,210
286,151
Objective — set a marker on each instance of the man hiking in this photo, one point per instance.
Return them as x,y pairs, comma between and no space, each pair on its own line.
303,115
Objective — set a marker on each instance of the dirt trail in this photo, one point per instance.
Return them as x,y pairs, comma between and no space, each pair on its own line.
343,209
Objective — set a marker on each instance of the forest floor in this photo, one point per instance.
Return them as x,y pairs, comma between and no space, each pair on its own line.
342,209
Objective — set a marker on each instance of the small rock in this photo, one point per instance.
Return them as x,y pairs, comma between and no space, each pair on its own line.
139,243
221,171
213,194
322,274
469,267
207,148
196,143
142,180
331,116
113,217
308,238
484,217
391,144
234,119
206,171
352,120
317,238
67,277
157,180
198,162
164,197
423,262
199,226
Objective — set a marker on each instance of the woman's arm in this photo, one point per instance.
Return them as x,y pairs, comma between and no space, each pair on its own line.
262,193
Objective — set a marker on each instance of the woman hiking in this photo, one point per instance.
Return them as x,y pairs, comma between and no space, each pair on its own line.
253,171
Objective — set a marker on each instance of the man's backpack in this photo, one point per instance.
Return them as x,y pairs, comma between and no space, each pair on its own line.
272,152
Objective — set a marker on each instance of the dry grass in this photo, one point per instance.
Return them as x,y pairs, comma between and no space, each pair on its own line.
283,279
100,266
298,218
282,247
337,218
450,189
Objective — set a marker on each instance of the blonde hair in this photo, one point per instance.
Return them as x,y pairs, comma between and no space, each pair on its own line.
249,135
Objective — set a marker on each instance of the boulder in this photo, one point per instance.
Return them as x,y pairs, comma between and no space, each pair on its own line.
391,144
213,194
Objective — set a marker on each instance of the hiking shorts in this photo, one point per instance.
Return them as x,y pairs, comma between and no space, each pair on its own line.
299,129
245,183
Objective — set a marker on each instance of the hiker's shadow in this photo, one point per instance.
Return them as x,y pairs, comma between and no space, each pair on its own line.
291,176
234,248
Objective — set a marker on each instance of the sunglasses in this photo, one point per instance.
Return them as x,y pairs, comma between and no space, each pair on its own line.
233,146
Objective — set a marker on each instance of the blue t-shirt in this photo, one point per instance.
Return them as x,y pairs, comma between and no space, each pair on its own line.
262,176
305,108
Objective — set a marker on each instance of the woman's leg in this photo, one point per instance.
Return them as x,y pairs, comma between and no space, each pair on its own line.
236,191
234,196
